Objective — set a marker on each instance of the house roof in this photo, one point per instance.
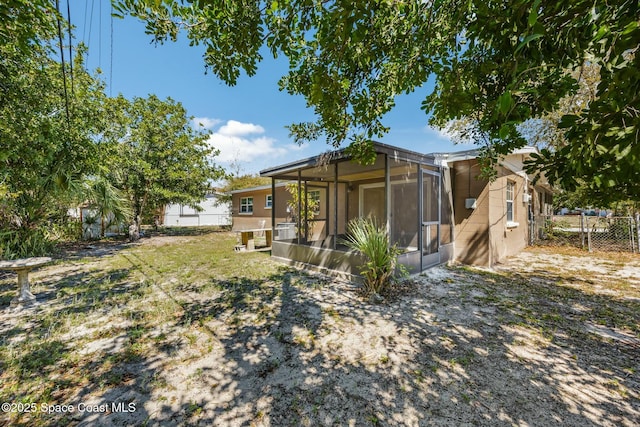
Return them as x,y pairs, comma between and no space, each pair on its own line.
214,194
474,153
511,161
314,168
399,154
257,188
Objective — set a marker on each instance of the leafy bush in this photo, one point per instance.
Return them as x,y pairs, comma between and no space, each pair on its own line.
367,237
25,243
69,229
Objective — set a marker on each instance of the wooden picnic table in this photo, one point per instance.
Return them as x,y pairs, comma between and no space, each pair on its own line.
22,267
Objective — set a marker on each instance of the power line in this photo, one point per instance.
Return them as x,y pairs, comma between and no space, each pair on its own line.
100,34
84,27
111,55
89,38
70,45
64,75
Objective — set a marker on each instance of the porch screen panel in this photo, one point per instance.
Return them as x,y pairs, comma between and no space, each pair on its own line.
342,212
430,239
404,205
372,200
430,214
430,204
285,225
365,195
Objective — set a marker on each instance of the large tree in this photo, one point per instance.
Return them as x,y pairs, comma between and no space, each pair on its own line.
157,158
47,126
497,63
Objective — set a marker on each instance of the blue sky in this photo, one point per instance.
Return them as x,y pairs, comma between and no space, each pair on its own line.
248,120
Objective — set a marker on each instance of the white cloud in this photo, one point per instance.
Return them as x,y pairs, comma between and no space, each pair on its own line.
235,142
235,128
205,122
297,147
437,132
447,134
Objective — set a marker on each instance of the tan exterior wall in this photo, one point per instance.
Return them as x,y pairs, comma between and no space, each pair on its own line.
446,212
471,225
505,238
483,235
261,215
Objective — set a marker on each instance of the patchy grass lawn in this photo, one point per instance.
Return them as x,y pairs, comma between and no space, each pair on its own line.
181,330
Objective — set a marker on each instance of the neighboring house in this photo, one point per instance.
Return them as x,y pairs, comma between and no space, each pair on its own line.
435,206
213,212
252,208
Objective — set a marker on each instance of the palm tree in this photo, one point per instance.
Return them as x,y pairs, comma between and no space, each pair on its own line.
108,200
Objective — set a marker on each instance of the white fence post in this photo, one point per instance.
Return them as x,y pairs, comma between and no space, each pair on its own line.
632,237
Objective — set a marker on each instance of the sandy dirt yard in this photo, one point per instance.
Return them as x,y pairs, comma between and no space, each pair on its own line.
551,337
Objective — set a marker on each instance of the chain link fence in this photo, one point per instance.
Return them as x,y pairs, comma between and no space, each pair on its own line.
587,232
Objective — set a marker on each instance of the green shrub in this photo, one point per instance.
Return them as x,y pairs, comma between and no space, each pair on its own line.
378,271
25,243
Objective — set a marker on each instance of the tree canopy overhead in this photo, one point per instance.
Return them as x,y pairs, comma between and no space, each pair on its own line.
497,63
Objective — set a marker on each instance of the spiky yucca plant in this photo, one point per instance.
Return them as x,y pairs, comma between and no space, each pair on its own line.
367,237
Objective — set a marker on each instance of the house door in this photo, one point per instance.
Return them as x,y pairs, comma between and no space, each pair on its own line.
430,215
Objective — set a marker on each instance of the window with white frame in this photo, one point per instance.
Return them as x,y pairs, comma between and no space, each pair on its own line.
511,186
268,203
246,205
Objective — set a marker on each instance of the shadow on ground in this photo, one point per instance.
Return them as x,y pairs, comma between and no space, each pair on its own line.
462,348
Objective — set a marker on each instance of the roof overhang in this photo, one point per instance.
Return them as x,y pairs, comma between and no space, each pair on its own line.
475,153
289,170
258,188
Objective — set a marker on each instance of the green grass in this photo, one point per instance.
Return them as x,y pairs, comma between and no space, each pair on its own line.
143,288
172,304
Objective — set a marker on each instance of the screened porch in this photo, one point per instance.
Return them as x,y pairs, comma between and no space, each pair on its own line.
407,192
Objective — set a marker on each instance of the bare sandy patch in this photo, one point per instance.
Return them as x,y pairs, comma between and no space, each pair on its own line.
530,343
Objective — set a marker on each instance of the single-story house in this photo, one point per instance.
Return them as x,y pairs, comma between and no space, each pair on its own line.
212,212
492,220
253,208
435,206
